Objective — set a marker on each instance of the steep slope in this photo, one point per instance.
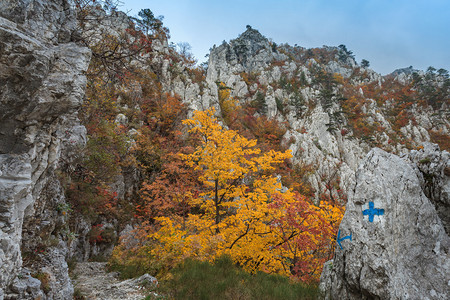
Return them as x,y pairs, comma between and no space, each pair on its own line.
60,200
334,111
318,102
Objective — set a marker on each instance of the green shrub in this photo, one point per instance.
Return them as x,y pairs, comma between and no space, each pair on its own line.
78,295
426,160
45,280
223,280
260,103
134,261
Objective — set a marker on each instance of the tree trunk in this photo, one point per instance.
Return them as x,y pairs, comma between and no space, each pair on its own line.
216,202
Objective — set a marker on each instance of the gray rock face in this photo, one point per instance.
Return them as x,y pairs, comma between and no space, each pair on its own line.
41,88
398,247
434,176
26,287
249,52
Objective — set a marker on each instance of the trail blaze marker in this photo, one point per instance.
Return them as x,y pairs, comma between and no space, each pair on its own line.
372,211
339,240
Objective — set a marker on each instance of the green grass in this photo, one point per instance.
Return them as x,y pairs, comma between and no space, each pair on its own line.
131,270
223,280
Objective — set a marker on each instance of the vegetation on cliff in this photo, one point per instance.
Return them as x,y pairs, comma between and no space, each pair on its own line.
214,182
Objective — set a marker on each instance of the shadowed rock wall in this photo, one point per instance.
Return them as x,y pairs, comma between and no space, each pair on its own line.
41,88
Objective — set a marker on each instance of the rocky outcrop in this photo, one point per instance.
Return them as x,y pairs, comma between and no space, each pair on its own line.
434,176
313,144
321,135
41,88
250,52
392,243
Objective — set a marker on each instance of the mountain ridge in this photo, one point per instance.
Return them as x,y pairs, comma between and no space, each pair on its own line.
84,181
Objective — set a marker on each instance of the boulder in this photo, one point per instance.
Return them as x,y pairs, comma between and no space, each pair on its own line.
391,242
26,287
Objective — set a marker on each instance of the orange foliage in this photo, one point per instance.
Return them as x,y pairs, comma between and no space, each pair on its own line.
171,191
441,139
357,119
163,112
198,74
296,178
242,212
92,199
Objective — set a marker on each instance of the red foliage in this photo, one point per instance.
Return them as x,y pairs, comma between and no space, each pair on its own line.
95,235
302,226
170,191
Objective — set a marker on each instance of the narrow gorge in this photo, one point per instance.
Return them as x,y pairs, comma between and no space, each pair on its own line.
98,112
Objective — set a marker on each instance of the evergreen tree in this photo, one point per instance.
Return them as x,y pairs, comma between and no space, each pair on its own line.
365,63
147,22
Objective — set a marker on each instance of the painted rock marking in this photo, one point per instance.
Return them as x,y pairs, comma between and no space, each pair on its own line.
372,211
339,239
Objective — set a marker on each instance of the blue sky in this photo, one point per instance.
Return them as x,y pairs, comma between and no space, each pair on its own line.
391,34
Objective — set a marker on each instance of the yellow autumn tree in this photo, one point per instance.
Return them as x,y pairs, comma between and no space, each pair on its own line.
243,210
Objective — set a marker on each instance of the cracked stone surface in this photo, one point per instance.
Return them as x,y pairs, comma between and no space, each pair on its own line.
42,85
401,252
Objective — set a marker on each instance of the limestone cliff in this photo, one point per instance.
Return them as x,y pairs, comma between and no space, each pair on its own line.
314,92
392,242
41,88
333,112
